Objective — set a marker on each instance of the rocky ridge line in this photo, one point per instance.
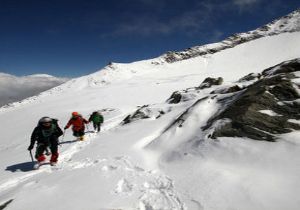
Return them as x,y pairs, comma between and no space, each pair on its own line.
287,24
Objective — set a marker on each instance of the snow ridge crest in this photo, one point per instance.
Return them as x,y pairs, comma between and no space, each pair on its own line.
286,24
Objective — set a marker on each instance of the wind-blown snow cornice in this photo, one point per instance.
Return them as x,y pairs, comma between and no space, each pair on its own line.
287,24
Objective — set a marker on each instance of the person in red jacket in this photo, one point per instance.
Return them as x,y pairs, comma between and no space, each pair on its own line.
78,127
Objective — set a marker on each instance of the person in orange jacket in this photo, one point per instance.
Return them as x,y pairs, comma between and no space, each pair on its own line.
78,127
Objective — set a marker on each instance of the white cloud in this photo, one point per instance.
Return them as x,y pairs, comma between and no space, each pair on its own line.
17,88
197,20
244,4
187,22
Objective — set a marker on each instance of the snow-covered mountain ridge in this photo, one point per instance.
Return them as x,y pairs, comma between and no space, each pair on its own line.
115,72
287,24
256,55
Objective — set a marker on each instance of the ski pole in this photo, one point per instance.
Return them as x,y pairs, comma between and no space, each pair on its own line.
31,155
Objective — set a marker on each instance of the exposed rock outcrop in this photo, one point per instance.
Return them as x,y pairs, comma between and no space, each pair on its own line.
191,93
145,112
263,109
250,77
209,81
231,89
258,106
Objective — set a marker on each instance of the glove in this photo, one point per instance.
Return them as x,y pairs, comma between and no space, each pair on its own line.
30,147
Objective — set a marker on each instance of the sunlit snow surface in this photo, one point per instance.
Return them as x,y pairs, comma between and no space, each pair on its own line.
137,166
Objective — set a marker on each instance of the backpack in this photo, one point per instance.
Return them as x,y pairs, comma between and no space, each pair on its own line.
48,132
97,117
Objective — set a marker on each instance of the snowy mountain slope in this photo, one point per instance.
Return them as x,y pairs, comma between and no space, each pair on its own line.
253,57
115,169
287,24
14,88
229,167
277,88
118,173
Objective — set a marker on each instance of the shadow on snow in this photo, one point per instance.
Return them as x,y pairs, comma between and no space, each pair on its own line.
68,142
26,166
89,132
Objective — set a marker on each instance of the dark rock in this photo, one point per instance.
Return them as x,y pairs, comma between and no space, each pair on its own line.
231,129
161,112
231,89
284,91
138,114
209,81
175,98
183,95
285,67
2,206
250,77
145,112
126,120
275,93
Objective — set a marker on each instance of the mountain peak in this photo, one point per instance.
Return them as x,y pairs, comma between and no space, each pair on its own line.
286,24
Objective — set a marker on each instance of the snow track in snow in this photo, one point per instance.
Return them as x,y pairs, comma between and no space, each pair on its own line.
152,189
64,159
66,156
148,190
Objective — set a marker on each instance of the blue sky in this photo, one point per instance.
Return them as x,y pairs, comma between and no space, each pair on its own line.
71,38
